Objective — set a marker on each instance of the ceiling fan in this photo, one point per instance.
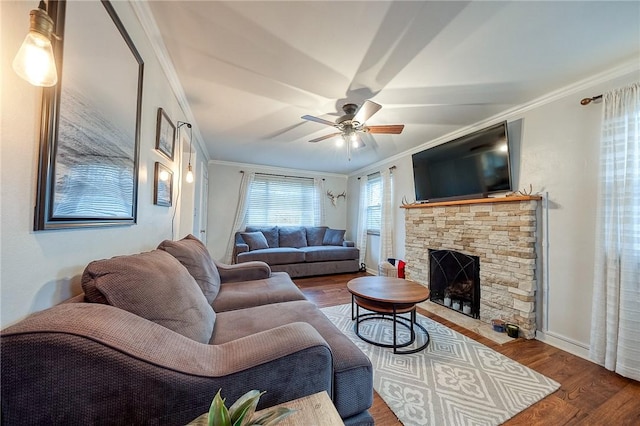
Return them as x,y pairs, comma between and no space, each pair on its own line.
353,122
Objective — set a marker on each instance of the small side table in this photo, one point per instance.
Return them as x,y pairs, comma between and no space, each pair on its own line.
313,410
386,298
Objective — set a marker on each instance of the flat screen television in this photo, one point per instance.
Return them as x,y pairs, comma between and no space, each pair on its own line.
471,166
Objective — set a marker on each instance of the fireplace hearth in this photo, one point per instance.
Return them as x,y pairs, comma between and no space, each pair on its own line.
454,281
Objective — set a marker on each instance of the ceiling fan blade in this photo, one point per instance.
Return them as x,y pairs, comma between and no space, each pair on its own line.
321,138
318,120
365,112
390,129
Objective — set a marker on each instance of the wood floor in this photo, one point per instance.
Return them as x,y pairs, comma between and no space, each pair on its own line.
588,395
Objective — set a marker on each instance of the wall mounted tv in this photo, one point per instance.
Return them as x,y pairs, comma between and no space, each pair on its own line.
471,166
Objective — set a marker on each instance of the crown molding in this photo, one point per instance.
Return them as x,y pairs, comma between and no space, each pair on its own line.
620,70
150,27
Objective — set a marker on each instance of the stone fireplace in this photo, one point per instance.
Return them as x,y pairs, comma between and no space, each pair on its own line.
500,232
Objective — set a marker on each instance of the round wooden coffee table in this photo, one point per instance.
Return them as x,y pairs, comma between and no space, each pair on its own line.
387,298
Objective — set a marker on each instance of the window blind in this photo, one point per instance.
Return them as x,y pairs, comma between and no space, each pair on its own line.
374,203
282,200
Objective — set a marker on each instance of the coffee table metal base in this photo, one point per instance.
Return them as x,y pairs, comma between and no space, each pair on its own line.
394,316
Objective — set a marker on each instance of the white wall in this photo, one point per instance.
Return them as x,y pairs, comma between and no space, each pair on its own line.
557,153
40,269
224,191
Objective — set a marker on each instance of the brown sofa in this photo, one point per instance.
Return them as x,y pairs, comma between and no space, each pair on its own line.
299,251
156,334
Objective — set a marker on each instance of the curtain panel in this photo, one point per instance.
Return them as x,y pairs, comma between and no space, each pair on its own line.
615,325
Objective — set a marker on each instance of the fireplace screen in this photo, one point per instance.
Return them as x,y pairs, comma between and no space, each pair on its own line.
454,281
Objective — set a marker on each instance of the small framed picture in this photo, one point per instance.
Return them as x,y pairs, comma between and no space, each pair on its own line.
163,186
165,134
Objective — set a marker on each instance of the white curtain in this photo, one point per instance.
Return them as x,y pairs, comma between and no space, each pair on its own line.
615,324
318,202
241,213
386,216
361,241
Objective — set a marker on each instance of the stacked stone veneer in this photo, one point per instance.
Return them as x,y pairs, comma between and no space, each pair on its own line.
501,234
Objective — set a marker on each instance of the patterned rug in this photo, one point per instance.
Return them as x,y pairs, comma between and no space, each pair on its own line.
454,381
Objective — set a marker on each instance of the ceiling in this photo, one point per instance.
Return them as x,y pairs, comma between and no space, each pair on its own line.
250,70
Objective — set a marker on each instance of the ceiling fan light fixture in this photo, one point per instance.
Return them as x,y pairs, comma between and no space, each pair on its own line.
340,141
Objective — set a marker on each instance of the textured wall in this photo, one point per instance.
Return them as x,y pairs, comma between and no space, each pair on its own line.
501,234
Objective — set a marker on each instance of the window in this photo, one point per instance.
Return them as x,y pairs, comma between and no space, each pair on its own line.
374,204
283,200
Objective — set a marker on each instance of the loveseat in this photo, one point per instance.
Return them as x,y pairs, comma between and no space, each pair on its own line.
156,334
297,250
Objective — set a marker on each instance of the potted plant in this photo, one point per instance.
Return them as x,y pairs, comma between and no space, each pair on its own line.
241,413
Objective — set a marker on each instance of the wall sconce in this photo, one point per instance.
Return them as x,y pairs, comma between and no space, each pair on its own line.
189,176
34,61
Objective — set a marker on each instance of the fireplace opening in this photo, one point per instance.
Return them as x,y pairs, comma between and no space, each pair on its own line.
454,281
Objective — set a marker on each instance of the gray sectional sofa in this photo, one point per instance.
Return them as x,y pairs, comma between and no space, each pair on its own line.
297,250
156,334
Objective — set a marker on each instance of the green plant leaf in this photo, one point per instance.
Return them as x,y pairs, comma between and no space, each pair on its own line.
242,410
272,416
218,413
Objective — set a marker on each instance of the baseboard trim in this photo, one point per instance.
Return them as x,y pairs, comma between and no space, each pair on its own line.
564,343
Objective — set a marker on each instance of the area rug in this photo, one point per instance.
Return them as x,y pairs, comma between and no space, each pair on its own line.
454,381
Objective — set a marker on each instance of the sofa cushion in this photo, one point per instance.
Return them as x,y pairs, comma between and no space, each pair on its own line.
315,235
196,258
155,286
333,237
273,256
292,236
270,233
255,240
247,294
329,253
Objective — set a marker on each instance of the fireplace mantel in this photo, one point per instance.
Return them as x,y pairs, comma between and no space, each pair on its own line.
511,199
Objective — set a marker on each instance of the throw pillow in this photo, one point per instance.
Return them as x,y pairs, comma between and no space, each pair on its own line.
333,237
292,236
270,233
155,286
196,258
315,235
255,240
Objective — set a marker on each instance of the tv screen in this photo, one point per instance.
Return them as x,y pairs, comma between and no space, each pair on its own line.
471,166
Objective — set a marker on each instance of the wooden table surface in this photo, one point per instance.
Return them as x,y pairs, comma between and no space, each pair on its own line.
388,290
313,410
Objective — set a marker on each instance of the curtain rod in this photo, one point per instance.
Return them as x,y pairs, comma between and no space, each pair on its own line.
284,176
595,99
392,168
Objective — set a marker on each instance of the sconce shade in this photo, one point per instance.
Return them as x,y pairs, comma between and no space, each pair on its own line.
34,61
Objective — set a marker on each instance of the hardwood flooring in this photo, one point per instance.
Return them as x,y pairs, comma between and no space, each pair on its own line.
588,394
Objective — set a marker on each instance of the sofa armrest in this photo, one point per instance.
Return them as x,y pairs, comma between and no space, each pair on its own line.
237,249
149,373
247,271
347,243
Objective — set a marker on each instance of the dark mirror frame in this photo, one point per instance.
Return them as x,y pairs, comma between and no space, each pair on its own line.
43,216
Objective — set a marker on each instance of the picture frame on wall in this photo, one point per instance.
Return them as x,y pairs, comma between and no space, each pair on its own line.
90,131
165,134
162,185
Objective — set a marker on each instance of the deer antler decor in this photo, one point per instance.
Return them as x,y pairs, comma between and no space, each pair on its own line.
406,202
523,192
334,198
